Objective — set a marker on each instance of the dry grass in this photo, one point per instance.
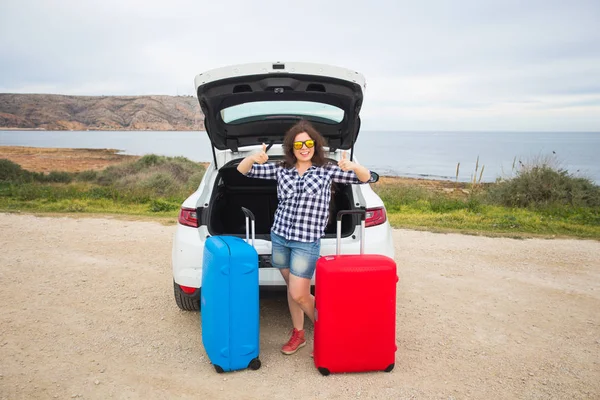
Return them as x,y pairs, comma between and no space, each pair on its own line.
40,159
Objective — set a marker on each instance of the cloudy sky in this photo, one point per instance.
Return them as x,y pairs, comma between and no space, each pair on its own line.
430,65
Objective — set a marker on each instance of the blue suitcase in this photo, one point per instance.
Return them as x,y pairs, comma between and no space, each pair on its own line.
229,301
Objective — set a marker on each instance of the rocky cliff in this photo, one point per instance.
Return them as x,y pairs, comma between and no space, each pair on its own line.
58,112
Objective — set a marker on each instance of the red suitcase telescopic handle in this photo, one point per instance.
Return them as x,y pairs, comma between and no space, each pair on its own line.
249,217
362,214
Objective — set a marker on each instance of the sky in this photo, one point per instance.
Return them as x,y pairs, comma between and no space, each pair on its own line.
429,65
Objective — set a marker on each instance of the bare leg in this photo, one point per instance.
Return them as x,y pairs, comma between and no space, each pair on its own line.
299,290
295,309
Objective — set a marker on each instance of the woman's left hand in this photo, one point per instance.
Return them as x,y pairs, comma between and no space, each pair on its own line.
345,164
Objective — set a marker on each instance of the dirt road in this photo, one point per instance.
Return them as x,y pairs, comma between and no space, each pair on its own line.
87,311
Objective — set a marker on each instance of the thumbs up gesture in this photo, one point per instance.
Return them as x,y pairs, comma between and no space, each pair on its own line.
261,157
345,164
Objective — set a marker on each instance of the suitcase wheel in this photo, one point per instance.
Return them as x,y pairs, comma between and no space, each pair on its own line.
254,364
323,371
219,369
389,368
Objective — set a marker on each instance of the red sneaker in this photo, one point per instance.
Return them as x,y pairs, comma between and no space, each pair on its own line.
296,342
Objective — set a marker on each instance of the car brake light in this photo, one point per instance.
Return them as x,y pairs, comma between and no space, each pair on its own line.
187,289
375,216
188,217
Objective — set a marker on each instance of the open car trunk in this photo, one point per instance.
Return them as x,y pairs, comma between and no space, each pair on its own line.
234,190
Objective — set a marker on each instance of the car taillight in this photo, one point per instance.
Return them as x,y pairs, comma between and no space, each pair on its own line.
187,289
375,216
188,217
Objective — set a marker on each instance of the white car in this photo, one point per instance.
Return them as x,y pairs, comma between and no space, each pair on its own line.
245,106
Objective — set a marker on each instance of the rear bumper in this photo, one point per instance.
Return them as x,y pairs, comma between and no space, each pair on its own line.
187,253
188,249
186,256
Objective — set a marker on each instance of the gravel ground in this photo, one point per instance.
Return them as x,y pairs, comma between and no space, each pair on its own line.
87,311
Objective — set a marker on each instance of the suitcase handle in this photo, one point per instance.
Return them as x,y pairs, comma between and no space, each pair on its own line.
362,214
249,217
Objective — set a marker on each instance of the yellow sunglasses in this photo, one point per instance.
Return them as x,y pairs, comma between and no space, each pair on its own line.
309,144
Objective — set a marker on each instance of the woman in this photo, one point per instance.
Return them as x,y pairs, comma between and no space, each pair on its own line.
304,192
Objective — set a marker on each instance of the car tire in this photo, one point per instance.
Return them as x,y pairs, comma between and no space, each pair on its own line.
187,302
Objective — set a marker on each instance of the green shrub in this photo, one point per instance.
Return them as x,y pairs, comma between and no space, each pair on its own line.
113,173
149,160
543,186
474,204
32,191
159,205
194,181
12,172
158,183
55,177
87,176
154,175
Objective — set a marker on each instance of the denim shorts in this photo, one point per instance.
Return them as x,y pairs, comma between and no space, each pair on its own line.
300,257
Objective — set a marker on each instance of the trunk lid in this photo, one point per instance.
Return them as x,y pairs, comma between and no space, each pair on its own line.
256,103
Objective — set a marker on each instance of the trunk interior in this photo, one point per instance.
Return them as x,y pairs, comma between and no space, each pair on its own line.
234,191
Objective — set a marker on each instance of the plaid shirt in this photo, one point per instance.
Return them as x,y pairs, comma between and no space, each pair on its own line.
303,210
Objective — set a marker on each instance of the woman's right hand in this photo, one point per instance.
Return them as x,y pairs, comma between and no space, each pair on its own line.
261,157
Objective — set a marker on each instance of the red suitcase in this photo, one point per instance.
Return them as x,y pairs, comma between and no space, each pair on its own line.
355,310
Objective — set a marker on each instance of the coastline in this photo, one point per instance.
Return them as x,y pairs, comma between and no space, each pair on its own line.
400,154
21,129
46,159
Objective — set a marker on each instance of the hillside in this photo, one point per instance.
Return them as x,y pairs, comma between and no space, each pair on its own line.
59,112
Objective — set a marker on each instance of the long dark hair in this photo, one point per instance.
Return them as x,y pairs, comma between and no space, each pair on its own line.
303,125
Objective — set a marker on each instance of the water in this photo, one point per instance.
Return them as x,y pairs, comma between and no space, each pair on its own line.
436,154
431,155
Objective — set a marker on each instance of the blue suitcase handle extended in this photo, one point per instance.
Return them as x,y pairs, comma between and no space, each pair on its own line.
362,214
249,220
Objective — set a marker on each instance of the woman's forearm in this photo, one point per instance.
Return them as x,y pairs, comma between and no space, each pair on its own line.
362,173
246,165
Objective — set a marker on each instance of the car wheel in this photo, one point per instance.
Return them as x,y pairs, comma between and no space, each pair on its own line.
187,302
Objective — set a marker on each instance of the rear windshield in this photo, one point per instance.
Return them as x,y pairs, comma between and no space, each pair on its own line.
259,110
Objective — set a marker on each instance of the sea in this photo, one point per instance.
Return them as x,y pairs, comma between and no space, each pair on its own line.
461,156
